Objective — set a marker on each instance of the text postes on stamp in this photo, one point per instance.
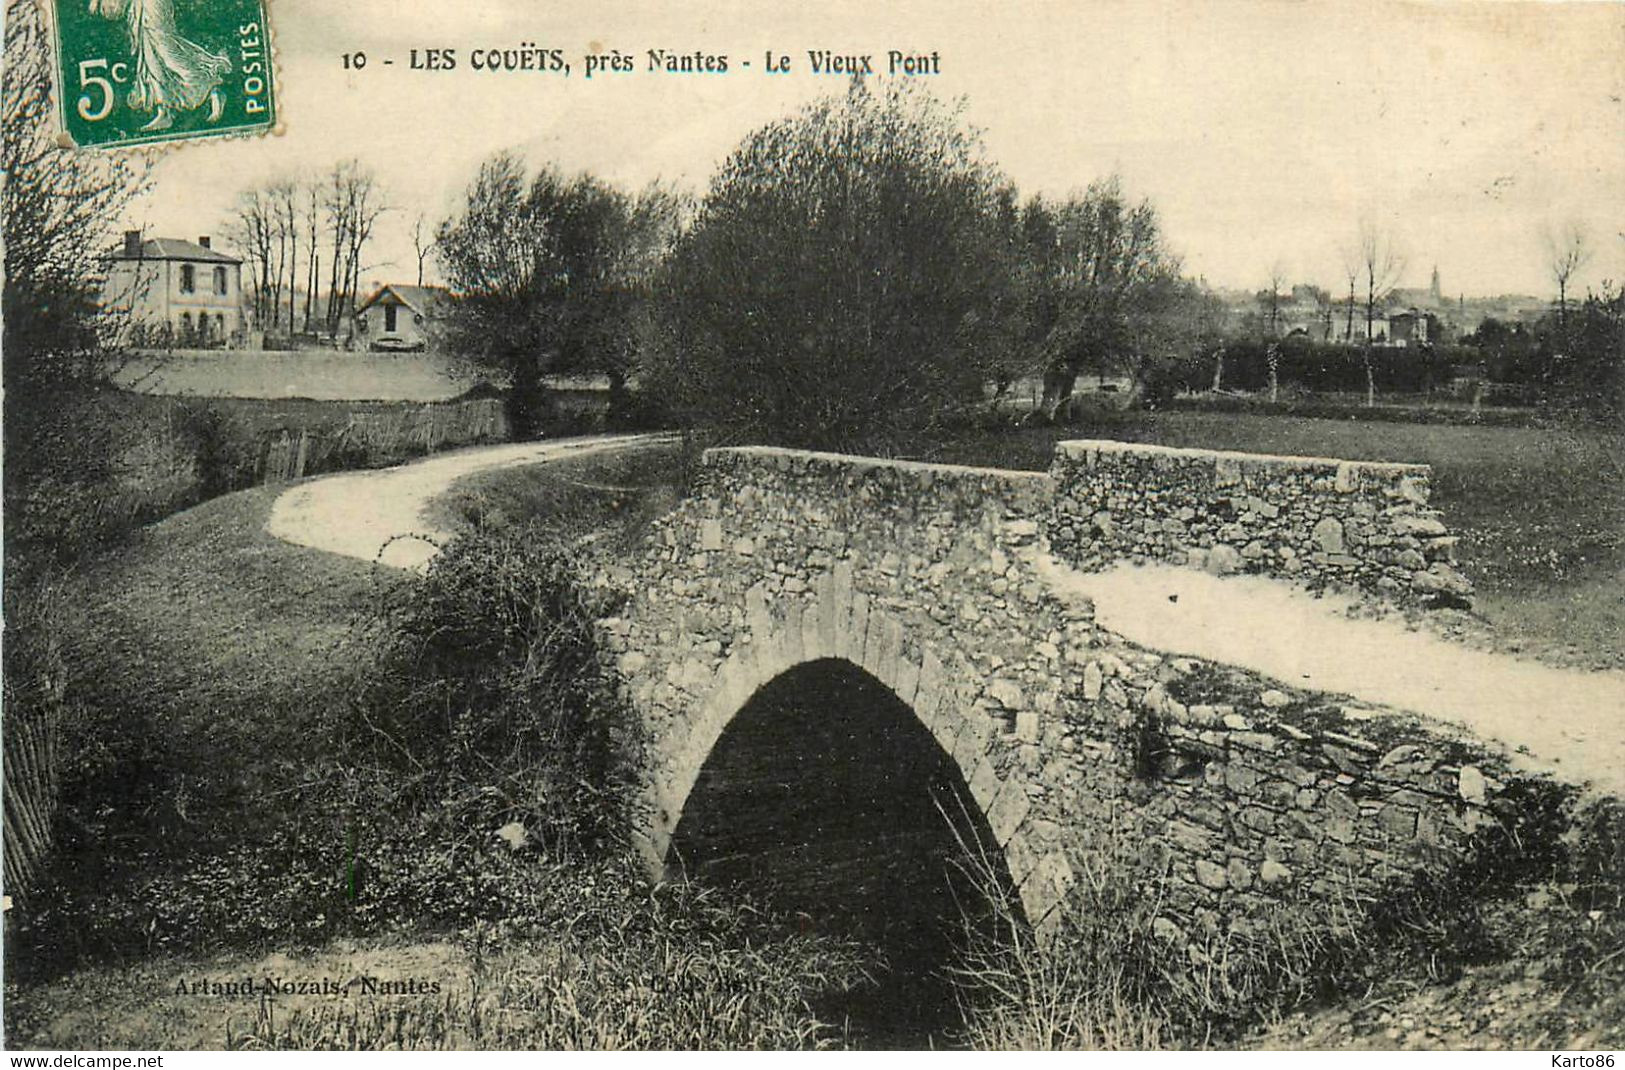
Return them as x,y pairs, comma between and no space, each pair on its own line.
132,72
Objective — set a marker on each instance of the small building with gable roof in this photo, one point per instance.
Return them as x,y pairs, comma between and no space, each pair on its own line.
400,317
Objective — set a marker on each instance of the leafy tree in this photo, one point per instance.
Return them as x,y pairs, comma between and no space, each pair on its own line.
1177,331
1508,350
842,278
547,274
1578,356
1595,334
1097,279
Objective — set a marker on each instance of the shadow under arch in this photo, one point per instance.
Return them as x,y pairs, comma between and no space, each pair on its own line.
828,798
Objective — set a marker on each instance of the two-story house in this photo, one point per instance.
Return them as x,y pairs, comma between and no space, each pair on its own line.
175,292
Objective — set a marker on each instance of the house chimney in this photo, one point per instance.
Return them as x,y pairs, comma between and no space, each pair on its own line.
132,243
203,240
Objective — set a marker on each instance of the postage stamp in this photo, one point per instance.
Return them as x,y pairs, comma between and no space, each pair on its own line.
132,72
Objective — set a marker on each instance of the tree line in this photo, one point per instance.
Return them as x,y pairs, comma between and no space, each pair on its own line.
328,219
855,270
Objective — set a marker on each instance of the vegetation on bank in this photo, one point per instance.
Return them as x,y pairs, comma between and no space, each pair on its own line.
271,747
86,469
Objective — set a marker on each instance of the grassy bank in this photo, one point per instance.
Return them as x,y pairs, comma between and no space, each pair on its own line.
600,960
612,496
232,808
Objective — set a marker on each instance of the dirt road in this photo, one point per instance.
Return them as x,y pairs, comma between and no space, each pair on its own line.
379,515
1569,722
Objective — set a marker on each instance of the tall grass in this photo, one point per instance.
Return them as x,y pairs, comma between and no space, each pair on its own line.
1116,966
493,691
1077,983
635,967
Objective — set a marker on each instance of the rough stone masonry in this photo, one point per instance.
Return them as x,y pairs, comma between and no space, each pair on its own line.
1318,522
1223,798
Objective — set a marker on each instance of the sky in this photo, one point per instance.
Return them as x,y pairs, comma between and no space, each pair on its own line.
1262,130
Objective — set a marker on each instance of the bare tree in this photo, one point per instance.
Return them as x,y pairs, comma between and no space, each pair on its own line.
251,230
1381,264
1351,272
423,242
1567,251
1270,299
58,207
354,203
313,273
285,205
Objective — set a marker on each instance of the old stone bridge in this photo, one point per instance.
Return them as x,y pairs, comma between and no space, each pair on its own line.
809,629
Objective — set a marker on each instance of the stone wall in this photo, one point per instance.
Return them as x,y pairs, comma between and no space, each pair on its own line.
1318,522
1222,796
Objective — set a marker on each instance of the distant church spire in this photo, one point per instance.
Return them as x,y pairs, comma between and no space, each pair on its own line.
1434,287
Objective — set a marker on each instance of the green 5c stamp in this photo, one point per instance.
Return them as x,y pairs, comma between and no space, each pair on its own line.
131,72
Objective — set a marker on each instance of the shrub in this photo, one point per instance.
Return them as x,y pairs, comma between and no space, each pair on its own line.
225,453
495,692
1329,367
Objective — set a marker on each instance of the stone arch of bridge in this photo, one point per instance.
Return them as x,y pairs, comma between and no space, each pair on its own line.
941,693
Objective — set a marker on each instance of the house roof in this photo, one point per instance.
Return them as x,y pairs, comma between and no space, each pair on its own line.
175,249
420,299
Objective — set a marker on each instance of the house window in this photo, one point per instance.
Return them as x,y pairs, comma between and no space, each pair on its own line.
220,281
220,325
188,279
389,316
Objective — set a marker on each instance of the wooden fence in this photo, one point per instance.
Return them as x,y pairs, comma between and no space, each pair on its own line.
378,437
30,792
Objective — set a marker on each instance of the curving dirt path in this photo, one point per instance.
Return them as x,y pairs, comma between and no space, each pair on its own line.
379,515
1569,722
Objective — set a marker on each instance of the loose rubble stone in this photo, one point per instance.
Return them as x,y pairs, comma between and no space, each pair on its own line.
1223,560
1273,873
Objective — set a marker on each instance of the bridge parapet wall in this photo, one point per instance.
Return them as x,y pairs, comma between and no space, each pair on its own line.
1314,521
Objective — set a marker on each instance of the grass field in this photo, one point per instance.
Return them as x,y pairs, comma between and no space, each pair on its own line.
318,374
